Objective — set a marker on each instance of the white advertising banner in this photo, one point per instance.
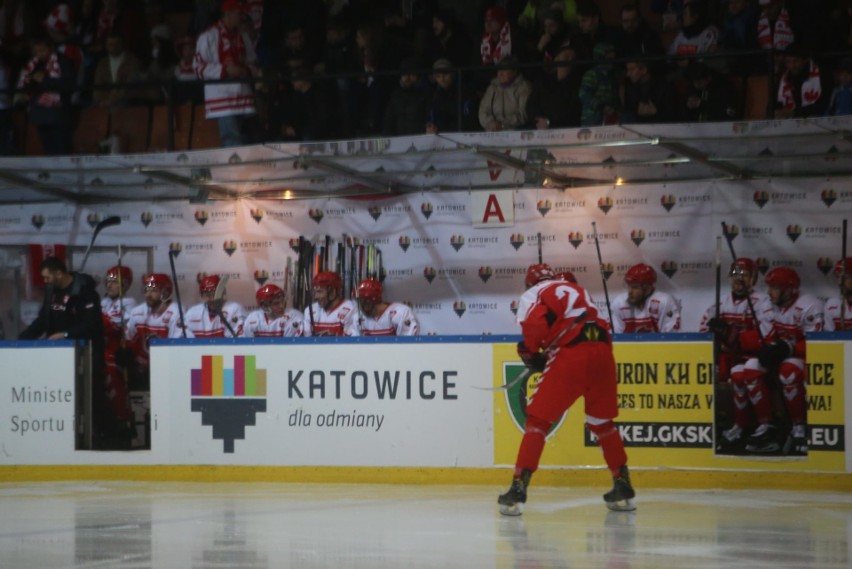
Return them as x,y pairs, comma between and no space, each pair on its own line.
323,404
37,401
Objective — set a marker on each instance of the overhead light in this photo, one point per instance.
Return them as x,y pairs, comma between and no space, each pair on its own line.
619,181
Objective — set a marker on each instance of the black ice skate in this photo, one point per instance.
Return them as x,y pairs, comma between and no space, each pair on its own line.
731,439
797,441
764,439
620,498
510,502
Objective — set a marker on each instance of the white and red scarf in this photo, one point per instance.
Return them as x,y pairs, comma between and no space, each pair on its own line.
811,88
51,69
778,36
494,52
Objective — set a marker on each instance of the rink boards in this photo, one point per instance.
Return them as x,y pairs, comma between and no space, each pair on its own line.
431,409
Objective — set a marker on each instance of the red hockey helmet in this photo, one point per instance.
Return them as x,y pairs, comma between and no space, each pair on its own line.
538,273
267,293
208,284
640,274
782,277
743,265
328,279
370,289
125,273
839,265
160,282
567,276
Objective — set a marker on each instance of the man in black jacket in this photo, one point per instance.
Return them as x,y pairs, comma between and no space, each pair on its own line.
72,310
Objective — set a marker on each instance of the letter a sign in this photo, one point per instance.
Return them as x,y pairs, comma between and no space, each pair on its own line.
492,208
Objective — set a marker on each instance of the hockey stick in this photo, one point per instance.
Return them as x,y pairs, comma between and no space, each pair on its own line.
751,310
580,320
172,255
603,276
716,347
539,248
108,222
843,279
219,302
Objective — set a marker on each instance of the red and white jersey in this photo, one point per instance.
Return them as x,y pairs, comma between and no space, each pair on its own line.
804,315
832,316
735,311
565,304
396,320
259,324
143,324
111,308
203,324
342,320
659,313
215,48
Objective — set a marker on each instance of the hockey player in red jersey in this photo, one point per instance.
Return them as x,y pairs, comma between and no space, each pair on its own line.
157,317
115,309
380,318
208,318
273,319
781,354
566,340
736,316
838,309
330,314
642,308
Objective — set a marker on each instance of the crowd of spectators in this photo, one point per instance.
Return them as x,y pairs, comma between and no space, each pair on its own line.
279,70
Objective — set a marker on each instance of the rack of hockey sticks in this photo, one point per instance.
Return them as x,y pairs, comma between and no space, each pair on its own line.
349,257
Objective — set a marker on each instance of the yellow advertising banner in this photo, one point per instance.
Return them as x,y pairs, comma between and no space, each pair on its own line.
666,411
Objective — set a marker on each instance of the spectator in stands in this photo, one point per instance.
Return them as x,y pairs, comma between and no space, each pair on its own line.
188,88
126,20
697,36
555,100
451,41
634,37
114,72
739,33
222,52
708,97
342,56
553,35
305,113
497,39
161,70
840,102
297,45
774,29
442,110
599,90
504,105
801,89
60,26
406,110
373,90
590,32
5,104
18,22
46,83
647,97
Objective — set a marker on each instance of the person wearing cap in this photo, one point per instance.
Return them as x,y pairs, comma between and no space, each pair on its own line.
305,112
504,104
406,108
840,101
442,109
223,52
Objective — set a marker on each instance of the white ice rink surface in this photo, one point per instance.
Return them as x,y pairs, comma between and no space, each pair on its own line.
263,525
